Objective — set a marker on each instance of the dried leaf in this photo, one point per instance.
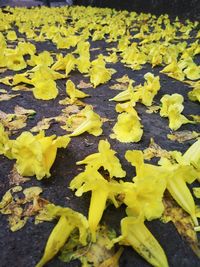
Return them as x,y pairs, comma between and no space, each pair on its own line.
119,86
35,208
68,101
152,109
72,109
44,124
3,115
17,123
96,254
95,48
15,178
123,79
182,222
32,192
2,70
83,85
155,150
183,136
23,111
16,207
5,97
22,88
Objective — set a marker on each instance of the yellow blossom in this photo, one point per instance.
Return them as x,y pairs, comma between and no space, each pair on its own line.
11,36
134,233
45,89
172,107
36,154
92,123
98,72
74,93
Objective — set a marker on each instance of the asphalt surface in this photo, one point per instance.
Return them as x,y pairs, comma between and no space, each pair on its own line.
25,247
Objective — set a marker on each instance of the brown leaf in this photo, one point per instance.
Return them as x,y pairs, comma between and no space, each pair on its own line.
15,178
2,70
72,109
123,79
155,150
38,205
23,111
21,88
182,136
67,101
44,124
119,86
152,109
83,85
5,97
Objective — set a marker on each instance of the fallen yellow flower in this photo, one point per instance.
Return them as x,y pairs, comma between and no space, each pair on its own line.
134,233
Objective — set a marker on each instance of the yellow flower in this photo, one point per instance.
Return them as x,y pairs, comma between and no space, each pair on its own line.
172,107
45,89
128,127
11,36
92,123
43,58
192,155
192,72
127,95
14,60
92,180
83,63
194,95
173,70
26,48
74,93
36,154
21,78
105,158
146,193
68,221
178,175
134,57
43,72
98,72
60,63
2,42
70,64
147,92
134,233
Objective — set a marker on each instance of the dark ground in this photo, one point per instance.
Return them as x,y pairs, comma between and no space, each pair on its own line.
182,8
25,247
